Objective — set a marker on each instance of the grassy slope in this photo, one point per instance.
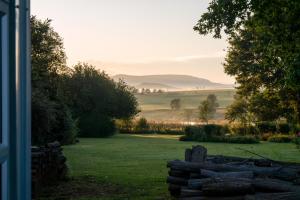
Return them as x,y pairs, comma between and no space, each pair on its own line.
138,163
156,107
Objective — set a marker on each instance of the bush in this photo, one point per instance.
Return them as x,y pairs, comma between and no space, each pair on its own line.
297,141
241,139
223,139
96,125
135,127
244,130
71,131
125,125
206,130
142,125
265,136
266,127
284,128
215,133
279,138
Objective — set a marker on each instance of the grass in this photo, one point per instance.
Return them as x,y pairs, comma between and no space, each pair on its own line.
156,106
134,166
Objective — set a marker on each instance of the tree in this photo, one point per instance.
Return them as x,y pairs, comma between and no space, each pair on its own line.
175,104
264,55
142,125
51,117
238,111
204,111
208,108
213,104
97,100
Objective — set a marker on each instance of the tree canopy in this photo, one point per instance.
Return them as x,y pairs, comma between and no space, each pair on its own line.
68,100
263,53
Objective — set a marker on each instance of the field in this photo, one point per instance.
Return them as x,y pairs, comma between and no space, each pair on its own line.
156,106
134,166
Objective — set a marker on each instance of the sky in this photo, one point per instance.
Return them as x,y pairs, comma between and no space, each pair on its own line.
136,37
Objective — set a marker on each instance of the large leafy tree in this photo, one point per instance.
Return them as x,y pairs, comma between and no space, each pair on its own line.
264,51
96,100
51,118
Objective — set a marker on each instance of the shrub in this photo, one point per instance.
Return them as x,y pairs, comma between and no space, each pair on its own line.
142,125
206,130
244,130
185,138
215,133
133,127
297,141
284,128
265,136
281,138
241,139
266,127
71,131
96,125
125,125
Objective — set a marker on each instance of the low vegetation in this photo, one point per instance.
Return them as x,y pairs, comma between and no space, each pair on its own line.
216,133
134,166
142,126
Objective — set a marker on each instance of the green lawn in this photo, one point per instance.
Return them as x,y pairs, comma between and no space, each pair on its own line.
134,166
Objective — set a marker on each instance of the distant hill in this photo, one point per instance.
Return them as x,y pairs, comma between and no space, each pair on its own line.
172,82
154,86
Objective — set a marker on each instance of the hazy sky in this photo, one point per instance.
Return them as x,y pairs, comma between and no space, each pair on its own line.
136,36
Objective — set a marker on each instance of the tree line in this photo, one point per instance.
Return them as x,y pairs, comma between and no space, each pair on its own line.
71,101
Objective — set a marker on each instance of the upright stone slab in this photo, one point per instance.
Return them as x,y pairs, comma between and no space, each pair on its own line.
199,154
188,155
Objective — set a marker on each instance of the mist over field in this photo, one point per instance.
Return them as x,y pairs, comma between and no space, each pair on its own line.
170,82
156,106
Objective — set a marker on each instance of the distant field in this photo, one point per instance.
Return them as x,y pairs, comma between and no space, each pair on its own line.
156,107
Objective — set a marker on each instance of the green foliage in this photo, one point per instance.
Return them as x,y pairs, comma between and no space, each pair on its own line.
217,133
297,141
204,111
266,127
96,97
284,128
96,125
175,104
237,129
130,127
68,101
265,136
208,108
51,118
263,58
238,111
279,138
142,125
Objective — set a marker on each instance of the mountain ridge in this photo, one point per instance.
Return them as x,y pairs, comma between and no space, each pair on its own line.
175,81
